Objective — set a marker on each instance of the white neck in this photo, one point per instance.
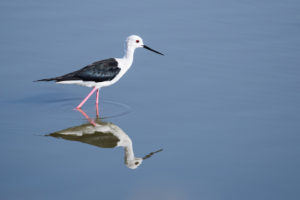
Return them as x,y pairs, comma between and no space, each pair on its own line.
129,155
128,57
124,63
129,51
124,142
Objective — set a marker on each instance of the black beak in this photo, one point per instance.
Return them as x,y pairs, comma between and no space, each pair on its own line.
146,47
151,154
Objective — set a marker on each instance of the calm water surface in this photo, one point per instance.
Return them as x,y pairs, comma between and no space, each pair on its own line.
223,104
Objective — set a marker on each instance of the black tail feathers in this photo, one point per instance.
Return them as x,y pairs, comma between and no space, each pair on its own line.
46,79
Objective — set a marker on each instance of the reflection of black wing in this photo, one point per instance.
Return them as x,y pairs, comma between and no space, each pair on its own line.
95,138
104,140
86,134
100,71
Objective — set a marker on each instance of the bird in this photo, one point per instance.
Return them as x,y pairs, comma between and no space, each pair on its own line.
103,73
104,135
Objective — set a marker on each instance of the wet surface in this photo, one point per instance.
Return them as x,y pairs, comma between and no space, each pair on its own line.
223,103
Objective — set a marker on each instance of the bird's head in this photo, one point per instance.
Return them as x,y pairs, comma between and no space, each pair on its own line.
135,41
133,164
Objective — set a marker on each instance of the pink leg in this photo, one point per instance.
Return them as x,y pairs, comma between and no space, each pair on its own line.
97,97
97,102
86,98
87,117
97,111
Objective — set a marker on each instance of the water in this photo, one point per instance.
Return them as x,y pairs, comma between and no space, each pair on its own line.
223,104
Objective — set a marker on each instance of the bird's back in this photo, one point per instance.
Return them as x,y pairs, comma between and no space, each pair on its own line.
100,71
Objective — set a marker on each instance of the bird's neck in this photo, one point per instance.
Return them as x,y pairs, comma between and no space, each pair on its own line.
128,56
129,154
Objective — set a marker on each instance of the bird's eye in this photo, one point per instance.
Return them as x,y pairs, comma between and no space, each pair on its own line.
136,163
137,41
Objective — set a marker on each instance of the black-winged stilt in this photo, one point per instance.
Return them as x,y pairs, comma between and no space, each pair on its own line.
105,72
104,135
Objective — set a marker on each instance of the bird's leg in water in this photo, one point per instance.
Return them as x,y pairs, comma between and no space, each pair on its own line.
86,98
97,111
87,117
97,103
97,97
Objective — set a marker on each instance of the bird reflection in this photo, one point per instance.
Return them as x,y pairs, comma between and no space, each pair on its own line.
104,135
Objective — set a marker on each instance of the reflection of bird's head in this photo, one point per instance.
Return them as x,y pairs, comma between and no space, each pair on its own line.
133,164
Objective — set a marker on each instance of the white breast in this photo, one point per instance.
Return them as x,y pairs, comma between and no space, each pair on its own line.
123,63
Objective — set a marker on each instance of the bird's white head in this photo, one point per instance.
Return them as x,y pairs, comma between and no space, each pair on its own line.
133,164
134,41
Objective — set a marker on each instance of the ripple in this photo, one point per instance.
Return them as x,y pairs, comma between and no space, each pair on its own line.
107,108
43,115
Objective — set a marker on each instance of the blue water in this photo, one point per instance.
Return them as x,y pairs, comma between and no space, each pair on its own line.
223,103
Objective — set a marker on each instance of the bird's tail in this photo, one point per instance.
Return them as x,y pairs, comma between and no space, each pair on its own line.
47,79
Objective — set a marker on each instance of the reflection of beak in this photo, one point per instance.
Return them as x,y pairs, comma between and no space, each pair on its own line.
150,154
146,47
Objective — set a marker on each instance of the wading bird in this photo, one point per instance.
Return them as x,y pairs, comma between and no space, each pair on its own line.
105,72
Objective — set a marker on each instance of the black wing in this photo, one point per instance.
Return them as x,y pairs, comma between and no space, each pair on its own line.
100,71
